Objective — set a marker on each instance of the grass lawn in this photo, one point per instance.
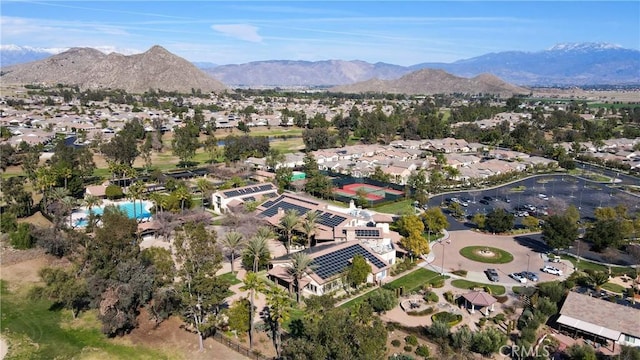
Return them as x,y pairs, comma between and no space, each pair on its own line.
231,277
588,265
618,289
499,256
466,284
296,314
36,332
414,280
398,207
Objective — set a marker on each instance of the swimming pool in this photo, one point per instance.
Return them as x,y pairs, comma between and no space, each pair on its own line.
141,211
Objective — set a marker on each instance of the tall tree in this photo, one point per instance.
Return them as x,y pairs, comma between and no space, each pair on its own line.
309,226
358,271
185,141
301,264
287,224
233,242
559,231
257,249
198,258
135,192
278,311
252,283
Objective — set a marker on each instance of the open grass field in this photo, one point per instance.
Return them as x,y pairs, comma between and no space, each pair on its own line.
34,331
466,284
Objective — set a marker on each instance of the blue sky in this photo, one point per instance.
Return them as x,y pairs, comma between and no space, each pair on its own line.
397,32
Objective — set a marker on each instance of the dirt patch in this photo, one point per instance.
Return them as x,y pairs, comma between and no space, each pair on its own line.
171,338
400,335
36,219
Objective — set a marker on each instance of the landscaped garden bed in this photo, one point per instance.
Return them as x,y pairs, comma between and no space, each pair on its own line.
486,254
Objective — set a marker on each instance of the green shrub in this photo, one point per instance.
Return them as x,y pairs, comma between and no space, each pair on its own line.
426,311
411,340
8,222
396,343
408,348
482,322
448,318
438,283
449,297
431,297
423,351
21,238
499,318
460,272
113,192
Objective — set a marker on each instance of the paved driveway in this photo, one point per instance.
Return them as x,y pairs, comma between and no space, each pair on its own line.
527,250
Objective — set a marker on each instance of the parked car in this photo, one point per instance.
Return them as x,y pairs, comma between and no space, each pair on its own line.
492,275
518,277
530,275
552,270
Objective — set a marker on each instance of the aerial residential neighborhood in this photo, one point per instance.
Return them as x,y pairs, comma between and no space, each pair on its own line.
378,193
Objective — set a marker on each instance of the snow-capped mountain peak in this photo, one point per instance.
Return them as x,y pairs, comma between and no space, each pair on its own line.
584,46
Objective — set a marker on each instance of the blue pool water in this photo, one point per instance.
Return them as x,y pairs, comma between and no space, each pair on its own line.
141,211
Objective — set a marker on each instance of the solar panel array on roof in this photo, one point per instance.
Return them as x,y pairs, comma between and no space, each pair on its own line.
273,210
367,233
248,191
333,263
330,220
249,198
270,203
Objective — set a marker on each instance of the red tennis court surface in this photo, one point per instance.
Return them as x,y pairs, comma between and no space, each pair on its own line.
372,192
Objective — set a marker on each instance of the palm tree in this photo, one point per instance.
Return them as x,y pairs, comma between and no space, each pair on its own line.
205,187
252,283
257,248
301,263
288,223
183,194
309,226
159,200
134,192
233,241
90,201
68,202
279,305
66,174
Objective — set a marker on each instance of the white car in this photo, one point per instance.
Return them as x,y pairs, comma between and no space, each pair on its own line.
552,270
518,277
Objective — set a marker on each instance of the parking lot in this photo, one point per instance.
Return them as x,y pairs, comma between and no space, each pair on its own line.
537,196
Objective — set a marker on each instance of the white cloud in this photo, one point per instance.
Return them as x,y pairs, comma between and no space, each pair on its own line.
239,31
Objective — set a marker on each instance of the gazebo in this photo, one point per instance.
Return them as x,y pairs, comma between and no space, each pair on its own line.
480,299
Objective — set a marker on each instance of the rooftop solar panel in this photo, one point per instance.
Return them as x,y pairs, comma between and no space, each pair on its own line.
249,190
367,233
335,262
273,210
330,220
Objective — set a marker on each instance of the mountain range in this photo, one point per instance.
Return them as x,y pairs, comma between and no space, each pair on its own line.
564,65
431,81
156,68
